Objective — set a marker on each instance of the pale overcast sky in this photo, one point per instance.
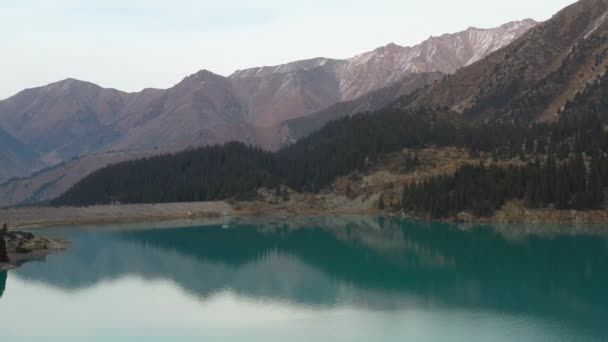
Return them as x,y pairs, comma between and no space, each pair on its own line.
130,45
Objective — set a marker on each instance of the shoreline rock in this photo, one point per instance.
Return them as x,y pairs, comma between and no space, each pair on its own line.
21,247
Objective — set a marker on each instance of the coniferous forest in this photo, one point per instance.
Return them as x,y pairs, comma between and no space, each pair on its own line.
565,162
565,184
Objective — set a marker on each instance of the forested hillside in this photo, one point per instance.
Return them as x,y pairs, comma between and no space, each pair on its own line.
237,170
208,173
571,152
567,166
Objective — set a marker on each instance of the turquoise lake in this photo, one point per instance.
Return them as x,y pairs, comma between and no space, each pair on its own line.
353,278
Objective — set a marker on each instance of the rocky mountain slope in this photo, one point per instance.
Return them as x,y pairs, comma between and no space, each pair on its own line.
446,54
533,78
200,110
63,119
389,64
295,129
375,79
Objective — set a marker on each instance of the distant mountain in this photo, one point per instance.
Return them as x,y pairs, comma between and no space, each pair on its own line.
202,109
274,94
63,119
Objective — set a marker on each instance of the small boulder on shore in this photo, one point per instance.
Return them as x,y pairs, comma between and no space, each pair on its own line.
464,217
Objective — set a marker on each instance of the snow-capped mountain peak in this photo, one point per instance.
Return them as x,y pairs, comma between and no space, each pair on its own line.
390,63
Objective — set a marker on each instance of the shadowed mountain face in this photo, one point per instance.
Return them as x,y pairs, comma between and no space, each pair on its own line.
296,129
376,263
16,159
51,182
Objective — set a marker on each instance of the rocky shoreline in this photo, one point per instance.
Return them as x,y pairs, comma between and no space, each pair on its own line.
45,216
18,247
292,204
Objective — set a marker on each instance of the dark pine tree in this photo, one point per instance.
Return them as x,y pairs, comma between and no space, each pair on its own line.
3,249
381,204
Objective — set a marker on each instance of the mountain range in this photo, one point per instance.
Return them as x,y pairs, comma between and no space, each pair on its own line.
267,106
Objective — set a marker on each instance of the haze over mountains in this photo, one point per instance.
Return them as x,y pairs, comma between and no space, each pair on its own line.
72,118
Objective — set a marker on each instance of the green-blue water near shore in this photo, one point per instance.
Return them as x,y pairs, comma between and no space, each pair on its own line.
308,279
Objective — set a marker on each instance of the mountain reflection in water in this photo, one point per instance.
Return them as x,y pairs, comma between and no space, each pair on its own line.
371,263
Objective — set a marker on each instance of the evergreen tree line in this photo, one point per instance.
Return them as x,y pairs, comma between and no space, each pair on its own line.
235,170
216,172
573,183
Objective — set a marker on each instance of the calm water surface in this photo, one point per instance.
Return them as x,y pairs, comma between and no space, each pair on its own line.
308,279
